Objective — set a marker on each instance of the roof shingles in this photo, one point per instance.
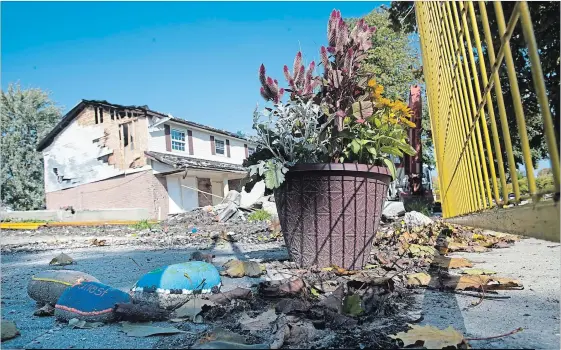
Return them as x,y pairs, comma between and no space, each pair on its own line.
184,162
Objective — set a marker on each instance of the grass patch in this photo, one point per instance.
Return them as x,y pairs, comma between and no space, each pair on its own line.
143,225
259,215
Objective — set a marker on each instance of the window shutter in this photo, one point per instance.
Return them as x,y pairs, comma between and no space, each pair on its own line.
246,151
228,148
212,148
190,140
168,137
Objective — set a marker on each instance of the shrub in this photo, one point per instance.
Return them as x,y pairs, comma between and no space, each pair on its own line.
259,215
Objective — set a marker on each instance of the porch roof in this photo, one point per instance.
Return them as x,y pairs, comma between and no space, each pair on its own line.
184,162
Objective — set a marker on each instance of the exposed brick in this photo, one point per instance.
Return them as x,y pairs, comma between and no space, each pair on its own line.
137,190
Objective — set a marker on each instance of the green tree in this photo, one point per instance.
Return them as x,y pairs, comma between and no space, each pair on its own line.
545,17
395,61
26,116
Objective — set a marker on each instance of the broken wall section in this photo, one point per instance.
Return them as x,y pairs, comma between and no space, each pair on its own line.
101,143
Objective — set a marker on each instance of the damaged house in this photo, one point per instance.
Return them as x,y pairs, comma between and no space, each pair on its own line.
104,156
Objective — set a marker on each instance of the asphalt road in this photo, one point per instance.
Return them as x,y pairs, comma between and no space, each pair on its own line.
536,308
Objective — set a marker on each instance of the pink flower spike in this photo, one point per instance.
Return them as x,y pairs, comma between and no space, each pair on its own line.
360,121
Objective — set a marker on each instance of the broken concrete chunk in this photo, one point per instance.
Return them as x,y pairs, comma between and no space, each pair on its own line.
233,197
416,219
47,286
227,213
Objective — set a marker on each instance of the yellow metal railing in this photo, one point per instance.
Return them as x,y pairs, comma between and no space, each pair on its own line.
464,91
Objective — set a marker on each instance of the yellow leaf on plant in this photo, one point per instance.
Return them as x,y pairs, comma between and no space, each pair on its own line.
430,337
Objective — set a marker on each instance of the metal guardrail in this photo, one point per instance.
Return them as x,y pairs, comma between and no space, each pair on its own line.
464,91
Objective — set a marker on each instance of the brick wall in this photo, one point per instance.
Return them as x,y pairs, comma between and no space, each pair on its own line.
137,190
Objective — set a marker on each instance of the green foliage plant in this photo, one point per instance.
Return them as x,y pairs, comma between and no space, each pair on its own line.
340,116
259,215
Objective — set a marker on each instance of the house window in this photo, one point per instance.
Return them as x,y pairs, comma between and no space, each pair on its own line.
250,151
219,146
177,140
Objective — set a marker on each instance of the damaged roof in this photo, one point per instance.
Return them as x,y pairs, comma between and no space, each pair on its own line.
73,113
184,162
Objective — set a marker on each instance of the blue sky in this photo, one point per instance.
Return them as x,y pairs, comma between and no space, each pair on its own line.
197,61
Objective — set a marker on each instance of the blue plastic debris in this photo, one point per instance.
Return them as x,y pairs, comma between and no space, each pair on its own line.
89,301
184,278
194,230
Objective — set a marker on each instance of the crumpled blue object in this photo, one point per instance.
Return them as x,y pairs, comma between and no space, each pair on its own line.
91,297
186,277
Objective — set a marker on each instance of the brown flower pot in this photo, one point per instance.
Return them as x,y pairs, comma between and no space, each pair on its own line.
329,213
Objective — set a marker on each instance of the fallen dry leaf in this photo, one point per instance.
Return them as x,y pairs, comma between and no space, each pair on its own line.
99,242
237,268
420,279
478,272
76,323
9,330
339,271
430,337
146,329
47,310
281,288
192,308
480,282
451,263
422,250
62,260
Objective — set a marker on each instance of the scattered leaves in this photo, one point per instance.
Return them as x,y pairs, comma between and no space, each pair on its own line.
62,260
237,268
480,282
76,323
9,330
146,329
430,337
422,250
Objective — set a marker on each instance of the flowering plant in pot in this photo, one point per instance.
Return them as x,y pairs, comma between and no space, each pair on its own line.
327,151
